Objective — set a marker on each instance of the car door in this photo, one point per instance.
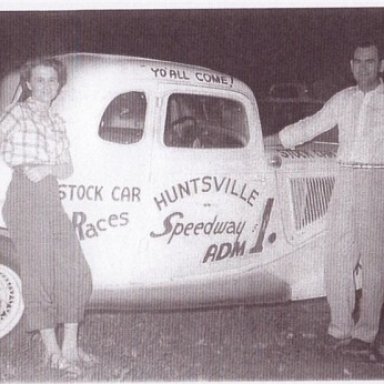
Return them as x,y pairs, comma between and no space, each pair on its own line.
105,197
208,183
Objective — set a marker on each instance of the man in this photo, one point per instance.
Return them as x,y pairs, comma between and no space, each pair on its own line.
356,212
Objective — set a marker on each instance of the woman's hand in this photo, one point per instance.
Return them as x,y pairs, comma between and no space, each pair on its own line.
36,174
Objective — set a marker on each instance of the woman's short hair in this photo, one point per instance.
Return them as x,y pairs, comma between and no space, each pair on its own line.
26,72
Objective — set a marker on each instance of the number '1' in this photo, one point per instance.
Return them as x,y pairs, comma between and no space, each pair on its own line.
258,247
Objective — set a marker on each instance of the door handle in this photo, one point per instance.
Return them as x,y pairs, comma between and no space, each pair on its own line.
275,161
261,179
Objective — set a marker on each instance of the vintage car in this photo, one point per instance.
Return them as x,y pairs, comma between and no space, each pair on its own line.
175,198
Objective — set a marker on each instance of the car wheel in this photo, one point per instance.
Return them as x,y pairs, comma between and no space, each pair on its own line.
11,300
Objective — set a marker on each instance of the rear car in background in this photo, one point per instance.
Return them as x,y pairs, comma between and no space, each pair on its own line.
285,104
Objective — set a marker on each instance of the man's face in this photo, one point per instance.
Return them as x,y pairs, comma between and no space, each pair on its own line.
365,66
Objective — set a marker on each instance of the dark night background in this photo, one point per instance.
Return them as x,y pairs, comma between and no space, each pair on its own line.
259,46
277,342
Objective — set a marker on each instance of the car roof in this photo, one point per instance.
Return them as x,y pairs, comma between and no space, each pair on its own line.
145,69
86,70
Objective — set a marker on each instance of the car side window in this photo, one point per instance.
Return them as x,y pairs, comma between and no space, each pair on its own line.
123,119
200,121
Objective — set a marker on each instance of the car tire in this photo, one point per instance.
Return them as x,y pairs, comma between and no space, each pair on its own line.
11,300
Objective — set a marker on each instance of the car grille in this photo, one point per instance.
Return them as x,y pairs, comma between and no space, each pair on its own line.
310,198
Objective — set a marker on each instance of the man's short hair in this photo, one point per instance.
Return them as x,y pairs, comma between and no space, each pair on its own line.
365,43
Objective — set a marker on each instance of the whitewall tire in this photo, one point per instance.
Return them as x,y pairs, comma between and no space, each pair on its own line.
11,300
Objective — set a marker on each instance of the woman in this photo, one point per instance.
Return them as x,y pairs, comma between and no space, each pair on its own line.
56,278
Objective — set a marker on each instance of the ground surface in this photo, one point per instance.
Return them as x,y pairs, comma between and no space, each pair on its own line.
279,342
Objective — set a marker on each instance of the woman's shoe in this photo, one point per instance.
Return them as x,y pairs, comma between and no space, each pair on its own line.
70,369
51,360
88,359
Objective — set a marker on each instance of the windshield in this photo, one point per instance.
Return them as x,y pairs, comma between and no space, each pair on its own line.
199,121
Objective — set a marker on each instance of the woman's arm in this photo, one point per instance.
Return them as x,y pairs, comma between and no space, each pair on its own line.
65,168
8,122
62,170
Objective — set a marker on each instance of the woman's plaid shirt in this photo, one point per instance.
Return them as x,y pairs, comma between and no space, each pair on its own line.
32,135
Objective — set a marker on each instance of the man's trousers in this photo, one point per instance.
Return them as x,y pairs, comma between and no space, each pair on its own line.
355,232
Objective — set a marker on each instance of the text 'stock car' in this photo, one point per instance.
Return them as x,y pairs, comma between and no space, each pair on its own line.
174,197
